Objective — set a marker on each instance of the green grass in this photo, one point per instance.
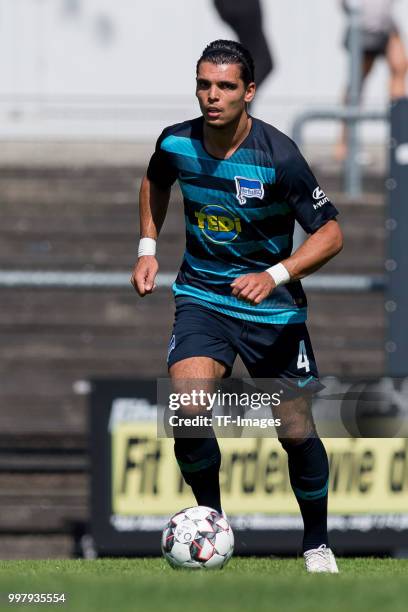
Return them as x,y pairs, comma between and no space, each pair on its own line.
246,584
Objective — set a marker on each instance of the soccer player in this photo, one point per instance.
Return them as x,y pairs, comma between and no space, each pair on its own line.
238,292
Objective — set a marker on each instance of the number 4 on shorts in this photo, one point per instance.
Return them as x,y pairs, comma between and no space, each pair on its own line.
303,361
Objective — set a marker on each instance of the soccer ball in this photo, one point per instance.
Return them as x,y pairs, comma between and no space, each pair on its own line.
197,538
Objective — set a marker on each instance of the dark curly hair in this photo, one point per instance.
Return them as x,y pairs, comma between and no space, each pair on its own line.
230,52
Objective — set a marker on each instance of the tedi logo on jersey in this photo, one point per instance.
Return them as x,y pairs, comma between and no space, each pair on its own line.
248,188
319,195
218,224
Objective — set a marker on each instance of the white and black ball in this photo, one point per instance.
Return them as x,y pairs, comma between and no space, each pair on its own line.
198,538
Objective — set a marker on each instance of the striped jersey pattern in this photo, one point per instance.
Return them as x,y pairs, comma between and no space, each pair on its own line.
239,214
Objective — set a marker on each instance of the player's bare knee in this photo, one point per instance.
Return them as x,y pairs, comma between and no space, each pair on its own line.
296,421
288,439
296,429
193,380
296,435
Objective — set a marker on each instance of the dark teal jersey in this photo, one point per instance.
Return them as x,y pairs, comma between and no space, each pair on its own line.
240,214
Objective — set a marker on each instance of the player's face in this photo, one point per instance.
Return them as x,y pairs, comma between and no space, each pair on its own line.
221,93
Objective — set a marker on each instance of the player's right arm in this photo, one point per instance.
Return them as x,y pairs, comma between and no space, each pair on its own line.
153,204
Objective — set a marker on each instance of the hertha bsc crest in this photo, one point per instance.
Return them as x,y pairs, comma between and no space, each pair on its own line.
248,188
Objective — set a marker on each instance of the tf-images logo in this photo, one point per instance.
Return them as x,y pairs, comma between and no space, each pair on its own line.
319,195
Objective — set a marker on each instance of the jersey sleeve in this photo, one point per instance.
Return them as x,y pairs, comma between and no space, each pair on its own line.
297,185
161,169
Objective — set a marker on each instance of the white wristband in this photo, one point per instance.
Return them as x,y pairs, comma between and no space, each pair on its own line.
279,274
147,246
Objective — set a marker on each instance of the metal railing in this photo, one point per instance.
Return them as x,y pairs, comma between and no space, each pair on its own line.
121,280
351,114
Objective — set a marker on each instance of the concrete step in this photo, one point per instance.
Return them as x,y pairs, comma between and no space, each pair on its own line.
35,546
42,502
110,242
37,412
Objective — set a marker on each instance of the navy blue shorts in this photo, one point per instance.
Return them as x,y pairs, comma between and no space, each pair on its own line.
281,352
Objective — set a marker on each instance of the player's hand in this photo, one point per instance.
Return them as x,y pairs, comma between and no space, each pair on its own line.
144,274
253,288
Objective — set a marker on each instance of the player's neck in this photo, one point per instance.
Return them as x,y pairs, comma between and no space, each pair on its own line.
223,142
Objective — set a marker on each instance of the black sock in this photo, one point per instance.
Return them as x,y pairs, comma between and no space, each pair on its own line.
199,461
309,477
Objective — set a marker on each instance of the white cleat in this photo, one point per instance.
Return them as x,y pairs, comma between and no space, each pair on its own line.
318,560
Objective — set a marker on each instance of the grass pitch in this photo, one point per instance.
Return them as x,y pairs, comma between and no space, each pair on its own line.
246,584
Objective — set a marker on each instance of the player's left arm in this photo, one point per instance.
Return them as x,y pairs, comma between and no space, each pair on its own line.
316,251
297,186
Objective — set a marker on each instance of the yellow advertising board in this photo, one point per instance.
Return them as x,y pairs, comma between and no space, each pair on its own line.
367,475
